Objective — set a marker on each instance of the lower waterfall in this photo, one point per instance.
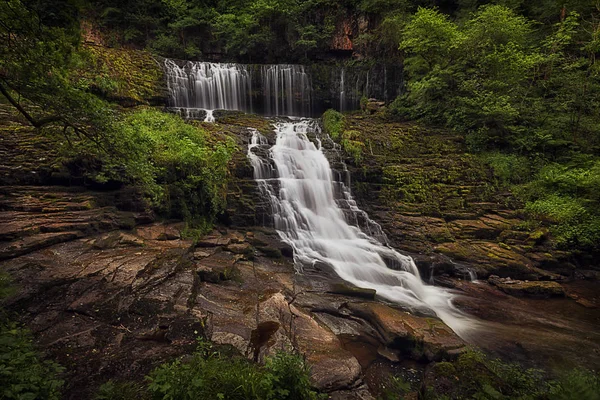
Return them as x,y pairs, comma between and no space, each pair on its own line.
306,207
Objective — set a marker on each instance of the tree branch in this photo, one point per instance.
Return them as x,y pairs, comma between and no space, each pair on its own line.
36,123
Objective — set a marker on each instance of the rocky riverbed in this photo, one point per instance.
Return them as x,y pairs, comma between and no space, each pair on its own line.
109,291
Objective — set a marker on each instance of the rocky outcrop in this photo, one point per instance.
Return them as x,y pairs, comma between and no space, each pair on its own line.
433,198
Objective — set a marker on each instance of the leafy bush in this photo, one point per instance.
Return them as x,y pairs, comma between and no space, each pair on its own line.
112,390
23,374
508,168
578,384
567,198
475,376
177,165
333,123
210,375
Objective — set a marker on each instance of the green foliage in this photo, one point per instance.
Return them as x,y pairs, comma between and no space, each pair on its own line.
6,287
23,373
118,73
578,384
508,168
333,123
395,387
523,95
475,376
174,163
112,390
211,375
491,79
566,197
350,142
266,30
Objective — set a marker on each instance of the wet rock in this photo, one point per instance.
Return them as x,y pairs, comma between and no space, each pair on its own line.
161,232
488,258
213,241
359,393
527,288
207,274
410,333
373,106
32,243
286,250
217,267
270,251
352,291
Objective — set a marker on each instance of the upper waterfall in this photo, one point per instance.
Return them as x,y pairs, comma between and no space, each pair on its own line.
209,86
281,89
275,89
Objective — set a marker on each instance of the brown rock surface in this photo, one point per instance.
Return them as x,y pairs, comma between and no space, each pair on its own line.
108,302
527,288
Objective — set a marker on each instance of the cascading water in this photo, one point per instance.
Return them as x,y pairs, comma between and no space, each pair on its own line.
208,86
287,90
307,215
196,87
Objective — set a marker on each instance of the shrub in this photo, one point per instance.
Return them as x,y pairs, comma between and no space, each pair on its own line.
23,374
112,390
475,376
578,384
179,168
211,375
333,123
352,145
508,168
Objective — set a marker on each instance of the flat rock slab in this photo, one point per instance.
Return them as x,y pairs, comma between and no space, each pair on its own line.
528,288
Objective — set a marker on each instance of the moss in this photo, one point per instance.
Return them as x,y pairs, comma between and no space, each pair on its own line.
352,145
444,369
122,73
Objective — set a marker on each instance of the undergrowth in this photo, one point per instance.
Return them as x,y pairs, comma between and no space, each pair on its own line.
24,374
211,374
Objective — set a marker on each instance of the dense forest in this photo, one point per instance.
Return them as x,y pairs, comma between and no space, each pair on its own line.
518,82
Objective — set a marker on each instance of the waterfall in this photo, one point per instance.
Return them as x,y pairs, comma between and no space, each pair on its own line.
287,90
209,116
194,87
342,91
208,86
307,213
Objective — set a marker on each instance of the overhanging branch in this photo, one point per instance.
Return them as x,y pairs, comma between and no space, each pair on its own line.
35,122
